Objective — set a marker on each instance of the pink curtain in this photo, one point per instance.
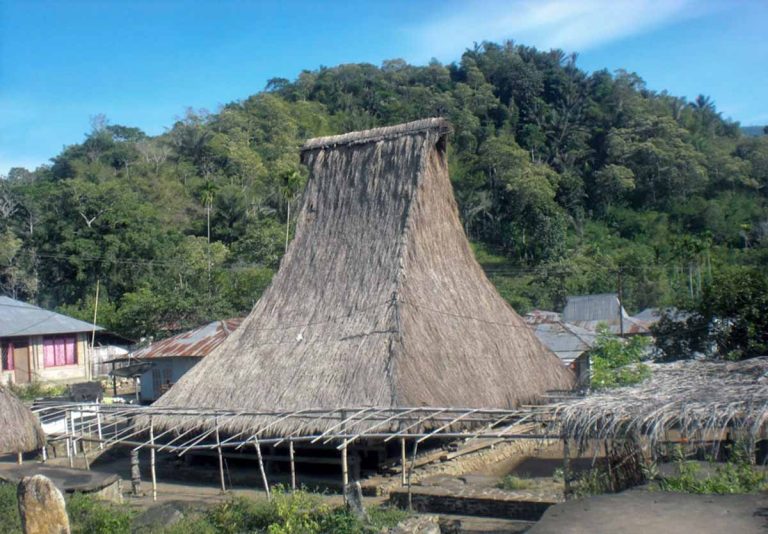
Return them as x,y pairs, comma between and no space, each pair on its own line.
59,351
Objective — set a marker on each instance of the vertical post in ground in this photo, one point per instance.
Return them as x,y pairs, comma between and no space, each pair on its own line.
19,458
261,468
410,472
344,469
135,473
70,441
44,453
221,458
98,428
566,469
152,458
403,461
293,464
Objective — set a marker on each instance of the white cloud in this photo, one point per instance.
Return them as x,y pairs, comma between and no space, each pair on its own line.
572,25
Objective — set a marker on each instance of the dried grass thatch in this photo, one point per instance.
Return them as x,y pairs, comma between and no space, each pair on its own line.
20,429
379,300
698,399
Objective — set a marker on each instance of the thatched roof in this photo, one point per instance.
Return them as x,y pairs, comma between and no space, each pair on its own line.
379,300
20,429
699,399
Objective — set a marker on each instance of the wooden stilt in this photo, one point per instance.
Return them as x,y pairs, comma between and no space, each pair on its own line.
44,453
403,461
410,472
566,469
135,473
19,458
152,453
293,464
261,468
70,440
98,430
221,459
344,469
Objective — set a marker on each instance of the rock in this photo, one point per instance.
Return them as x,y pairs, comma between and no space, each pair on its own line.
422,524
353,494
41,507
161,516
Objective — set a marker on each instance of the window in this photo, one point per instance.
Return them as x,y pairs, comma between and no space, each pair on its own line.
60,350
6,350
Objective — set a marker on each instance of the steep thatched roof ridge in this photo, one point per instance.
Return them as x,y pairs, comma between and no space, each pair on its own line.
20,430
378,301
436,124
697,398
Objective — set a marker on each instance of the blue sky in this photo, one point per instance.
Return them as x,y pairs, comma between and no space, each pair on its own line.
142,62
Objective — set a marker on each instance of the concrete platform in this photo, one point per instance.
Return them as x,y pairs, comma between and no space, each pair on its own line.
638,512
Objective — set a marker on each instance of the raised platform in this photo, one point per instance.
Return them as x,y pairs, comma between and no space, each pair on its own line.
102,485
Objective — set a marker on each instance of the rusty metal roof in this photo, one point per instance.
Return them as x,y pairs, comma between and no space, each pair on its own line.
566,340
196,343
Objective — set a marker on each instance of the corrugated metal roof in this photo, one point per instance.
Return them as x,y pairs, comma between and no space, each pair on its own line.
591,311
19,318
567,341
198,342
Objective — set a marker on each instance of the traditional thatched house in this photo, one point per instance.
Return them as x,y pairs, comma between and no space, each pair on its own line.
379,300
20,429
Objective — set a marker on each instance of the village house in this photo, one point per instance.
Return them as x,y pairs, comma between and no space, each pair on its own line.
604,310
171,358
41,345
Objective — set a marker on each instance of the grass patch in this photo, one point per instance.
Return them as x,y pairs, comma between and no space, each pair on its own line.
737,476
512,483
36,390
288,513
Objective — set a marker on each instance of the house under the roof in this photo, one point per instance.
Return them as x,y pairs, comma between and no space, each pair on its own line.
591,311
42,345
379,300
172,357
569,342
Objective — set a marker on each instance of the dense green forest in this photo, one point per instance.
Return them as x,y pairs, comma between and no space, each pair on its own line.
567,181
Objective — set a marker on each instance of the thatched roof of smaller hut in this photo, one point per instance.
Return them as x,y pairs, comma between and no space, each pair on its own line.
20,430
696,398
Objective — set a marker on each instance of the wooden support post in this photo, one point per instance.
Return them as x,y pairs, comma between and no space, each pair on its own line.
403,461
152,453
98,429
566,469
19,458
135,473
221,458
85,455
261,468
293,464
410,472
70,441
44,453
344,470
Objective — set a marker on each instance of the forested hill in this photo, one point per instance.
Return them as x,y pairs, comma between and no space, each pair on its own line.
564,180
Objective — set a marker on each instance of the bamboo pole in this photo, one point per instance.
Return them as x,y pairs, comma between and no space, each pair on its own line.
44,453
70,441
403,461
152,453
221,458
19,458
293,464
566,469
410,472
344,467
261,468
98,429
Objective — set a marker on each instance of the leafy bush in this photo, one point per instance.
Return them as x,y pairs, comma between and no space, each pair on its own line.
737,476
239,514
88,515
35,390
512,482
618,362
10,522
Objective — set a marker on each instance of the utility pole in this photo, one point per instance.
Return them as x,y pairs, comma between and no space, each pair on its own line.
621,304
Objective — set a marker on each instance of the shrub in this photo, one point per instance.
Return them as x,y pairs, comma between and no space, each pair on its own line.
10,522
88,515
512,482
737,476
